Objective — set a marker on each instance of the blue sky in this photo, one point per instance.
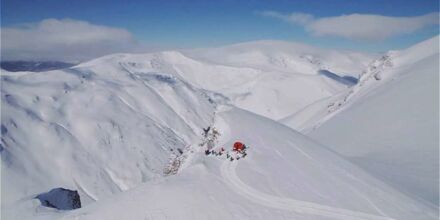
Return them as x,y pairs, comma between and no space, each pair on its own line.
187,24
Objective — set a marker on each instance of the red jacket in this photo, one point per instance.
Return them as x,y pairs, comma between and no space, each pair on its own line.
238,146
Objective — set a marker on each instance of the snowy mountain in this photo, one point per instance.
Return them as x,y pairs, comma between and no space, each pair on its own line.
285,72
377,74
99,132
269,78
396,110
281,178
126,132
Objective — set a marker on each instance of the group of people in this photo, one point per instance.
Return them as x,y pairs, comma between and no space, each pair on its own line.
215,153
238,151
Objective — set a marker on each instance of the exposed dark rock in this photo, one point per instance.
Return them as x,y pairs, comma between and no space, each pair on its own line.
60,198
4,129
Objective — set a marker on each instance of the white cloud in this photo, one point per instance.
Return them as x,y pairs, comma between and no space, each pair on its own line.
65,40
358,26
296,18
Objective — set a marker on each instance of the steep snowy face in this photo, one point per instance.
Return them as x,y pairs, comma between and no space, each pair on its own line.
100,130
285,175
391,125
389,67
310,117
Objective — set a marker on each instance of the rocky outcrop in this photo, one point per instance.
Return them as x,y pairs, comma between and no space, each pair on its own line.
60,198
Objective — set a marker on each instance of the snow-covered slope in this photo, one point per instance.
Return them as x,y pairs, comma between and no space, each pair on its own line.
271,78
284,176
100,132
77,128
109,127
388,123
377,74
288,74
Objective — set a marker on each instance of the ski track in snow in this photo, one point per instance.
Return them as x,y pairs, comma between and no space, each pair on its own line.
229,174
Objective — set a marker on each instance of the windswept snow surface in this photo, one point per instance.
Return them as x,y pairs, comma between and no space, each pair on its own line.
286,75
101,132
378,73
388,123
271,78
284,176
107,127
